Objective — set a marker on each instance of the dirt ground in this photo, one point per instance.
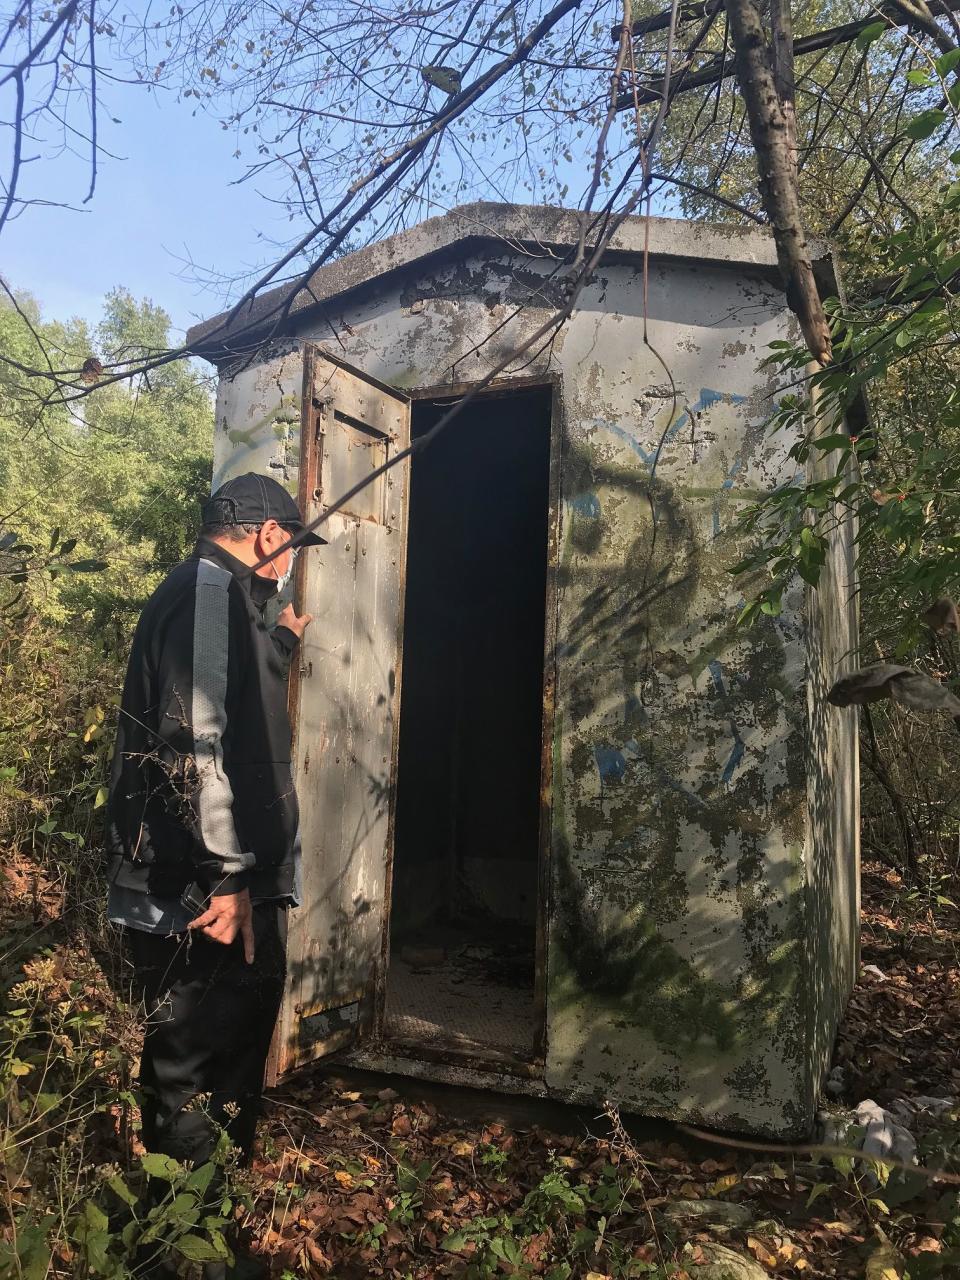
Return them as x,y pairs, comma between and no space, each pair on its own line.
363,1176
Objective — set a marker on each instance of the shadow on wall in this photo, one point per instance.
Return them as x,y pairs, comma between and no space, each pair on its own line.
678,824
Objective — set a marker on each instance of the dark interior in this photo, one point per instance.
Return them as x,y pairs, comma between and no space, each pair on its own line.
468,784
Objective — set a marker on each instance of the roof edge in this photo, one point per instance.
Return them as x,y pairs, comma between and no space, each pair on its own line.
522,227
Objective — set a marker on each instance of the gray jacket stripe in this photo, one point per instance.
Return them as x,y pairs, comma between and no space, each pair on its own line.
211,646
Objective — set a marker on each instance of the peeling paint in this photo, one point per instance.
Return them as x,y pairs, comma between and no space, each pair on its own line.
698,885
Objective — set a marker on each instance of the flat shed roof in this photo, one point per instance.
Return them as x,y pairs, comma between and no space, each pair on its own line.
524,228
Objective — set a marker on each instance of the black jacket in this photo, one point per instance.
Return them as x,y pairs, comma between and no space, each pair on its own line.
201,790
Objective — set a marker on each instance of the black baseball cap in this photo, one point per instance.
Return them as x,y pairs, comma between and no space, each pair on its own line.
255,499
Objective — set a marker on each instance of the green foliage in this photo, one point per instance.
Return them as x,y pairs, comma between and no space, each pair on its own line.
895,343
74,1196
903,479
577,1223
98,498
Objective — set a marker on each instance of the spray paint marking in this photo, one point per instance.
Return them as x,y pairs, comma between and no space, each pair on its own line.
708,398
736,754
586,504
735,757
727,485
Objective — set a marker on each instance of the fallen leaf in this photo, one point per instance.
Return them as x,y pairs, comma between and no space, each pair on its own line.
761,1252
884,1263
927,1244
723,1184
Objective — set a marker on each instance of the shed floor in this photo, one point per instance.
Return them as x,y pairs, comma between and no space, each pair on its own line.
454,1004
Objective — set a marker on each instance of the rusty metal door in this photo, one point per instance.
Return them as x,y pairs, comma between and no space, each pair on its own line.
345,697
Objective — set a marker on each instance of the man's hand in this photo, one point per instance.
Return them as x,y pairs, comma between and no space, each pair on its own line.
287,618
227,916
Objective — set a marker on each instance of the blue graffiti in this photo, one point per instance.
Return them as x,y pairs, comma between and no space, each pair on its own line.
728,485
707,399
716,674
736,753
633,709
611,764
586,504
735,757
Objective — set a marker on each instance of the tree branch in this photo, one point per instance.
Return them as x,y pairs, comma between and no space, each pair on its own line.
776,162
719,69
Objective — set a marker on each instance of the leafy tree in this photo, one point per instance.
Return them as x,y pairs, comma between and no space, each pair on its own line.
96,503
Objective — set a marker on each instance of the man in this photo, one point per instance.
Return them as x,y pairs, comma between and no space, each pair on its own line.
203,823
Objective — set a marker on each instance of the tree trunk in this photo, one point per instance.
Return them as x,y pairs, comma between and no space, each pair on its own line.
773,131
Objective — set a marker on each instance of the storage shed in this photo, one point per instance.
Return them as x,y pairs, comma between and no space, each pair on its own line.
567,829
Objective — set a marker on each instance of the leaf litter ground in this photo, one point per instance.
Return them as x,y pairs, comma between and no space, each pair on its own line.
360,1176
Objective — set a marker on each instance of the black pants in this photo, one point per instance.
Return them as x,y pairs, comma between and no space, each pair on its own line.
210,1020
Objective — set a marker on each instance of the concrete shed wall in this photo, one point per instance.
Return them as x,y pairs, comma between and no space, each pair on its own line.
702,915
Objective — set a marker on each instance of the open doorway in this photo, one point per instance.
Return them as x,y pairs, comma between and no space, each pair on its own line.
466,860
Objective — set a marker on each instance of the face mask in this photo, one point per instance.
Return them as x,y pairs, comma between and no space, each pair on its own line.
283,579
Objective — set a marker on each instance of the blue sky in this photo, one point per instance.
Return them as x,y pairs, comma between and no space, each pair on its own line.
167,198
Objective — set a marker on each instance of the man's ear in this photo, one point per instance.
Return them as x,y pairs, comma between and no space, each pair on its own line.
267,535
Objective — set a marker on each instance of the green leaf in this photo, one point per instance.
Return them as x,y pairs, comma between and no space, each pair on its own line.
101,797
947,61
55,537
218,1241
919,78
201,1177
869,34
95,1216
34,1252
88,566
47,1101
884,1263
828,443
197,1249
924,124
121,1190
454,1242
816,1191
160,1166
67,547
446,78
